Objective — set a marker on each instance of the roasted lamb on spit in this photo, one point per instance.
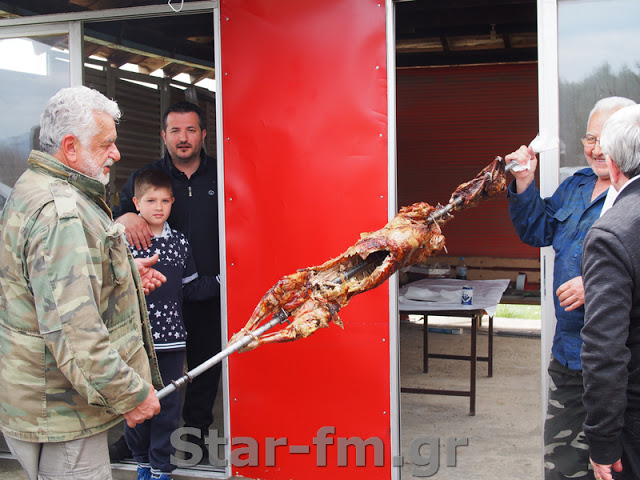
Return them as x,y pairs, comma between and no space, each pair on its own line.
312,296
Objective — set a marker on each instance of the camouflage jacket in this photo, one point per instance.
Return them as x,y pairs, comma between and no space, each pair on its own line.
75,343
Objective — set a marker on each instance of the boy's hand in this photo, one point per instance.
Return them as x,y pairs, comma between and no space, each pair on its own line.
136,230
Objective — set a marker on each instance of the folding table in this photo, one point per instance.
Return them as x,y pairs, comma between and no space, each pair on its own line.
443,297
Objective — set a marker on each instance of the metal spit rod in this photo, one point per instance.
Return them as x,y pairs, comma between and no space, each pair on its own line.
282,316
453,204
190,375
510,166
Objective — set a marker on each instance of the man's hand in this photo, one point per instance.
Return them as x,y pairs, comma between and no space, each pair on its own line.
151,278
144,411
523,177
137,231
571,294
603,472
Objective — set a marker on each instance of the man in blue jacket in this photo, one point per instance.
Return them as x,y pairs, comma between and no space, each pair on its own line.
194,213
563,221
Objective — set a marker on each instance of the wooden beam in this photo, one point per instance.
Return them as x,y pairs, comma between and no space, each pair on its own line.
93,49
101,4
481,42
167,58
202,75
88,4
173,69
488,268
119,58
150,64
426,44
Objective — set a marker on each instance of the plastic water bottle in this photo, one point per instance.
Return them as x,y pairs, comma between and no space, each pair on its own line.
461,270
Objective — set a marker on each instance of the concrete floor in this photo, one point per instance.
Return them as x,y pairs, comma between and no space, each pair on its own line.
505,436
503,440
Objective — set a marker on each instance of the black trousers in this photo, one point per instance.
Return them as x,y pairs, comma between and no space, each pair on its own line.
202,321
150,441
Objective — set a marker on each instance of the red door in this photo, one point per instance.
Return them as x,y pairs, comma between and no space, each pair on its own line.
304,109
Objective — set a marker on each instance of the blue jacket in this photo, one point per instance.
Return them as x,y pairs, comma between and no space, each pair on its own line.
562,221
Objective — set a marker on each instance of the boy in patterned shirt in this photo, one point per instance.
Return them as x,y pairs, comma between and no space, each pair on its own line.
150,442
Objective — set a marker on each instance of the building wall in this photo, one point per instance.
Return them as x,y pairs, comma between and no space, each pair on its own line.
452,122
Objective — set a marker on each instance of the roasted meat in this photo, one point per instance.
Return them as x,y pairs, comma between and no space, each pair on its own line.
313,296
488,183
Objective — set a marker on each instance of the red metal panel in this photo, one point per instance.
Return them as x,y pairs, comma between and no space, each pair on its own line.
453,121
305,139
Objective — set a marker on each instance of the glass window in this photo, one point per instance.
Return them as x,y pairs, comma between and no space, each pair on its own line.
31,71
597,57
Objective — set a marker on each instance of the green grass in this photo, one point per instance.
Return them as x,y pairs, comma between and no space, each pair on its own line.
518,311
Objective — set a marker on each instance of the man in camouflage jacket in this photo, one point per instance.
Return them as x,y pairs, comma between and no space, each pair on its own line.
75,340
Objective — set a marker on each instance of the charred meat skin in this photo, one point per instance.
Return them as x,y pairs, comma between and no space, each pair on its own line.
313,296
488,183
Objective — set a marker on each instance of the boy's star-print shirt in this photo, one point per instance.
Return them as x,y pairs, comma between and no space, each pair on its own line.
165,302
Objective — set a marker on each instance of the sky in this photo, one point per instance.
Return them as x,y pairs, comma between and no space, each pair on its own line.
592,32
22,70
23,67
17,54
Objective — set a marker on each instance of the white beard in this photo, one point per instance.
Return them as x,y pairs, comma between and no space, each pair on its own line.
96,171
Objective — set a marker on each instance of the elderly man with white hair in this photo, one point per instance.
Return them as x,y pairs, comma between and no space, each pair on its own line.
75,340
611,334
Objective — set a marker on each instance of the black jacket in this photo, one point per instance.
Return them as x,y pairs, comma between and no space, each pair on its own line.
611,349
194,212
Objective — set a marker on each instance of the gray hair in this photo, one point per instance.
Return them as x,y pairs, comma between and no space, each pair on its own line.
620,140
71,111
608,104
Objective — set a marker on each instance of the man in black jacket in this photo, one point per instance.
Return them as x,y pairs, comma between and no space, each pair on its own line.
611,273
194,213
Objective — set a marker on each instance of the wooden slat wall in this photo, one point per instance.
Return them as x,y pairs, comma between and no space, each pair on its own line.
139,138
209,108
488,268
97,79
452,122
